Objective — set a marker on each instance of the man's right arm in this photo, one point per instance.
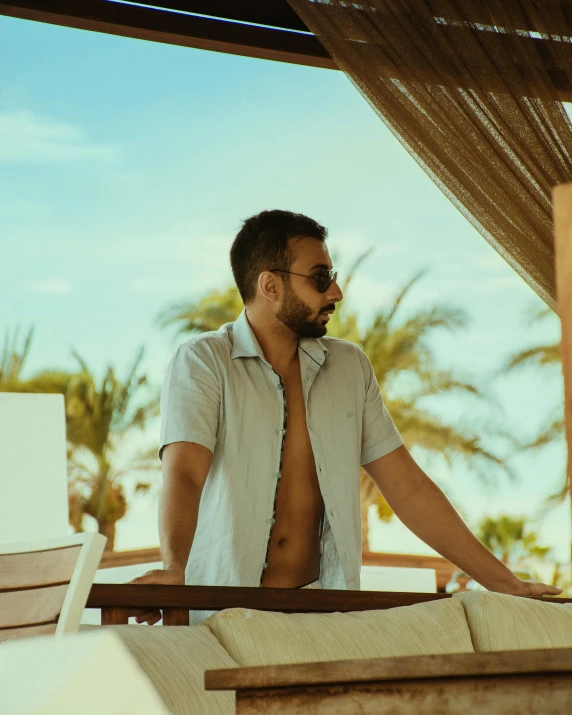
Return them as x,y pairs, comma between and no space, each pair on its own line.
185,469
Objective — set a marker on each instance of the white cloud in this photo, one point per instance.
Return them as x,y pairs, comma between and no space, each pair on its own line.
29,138
53,286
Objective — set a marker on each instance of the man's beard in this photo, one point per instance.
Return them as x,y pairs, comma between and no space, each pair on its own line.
296,316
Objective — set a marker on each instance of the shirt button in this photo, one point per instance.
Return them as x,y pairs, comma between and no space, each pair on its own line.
277,475
272,520
282,431
264,565
280,386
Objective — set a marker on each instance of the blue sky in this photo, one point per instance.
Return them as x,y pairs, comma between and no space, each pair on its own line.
126,168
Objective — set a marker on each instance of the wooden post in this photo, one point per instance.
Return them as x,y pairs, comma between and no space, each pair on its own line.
175,616
562,198
114,616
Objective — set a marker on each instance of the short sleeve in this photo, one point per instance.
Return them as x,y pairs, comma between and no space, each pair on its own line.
379,434
190,399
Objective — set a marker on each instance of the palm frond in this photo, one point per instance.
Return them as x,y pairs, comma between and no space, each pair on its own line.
537,356
209,313
400,297
13,359
354,267
425,431
550,433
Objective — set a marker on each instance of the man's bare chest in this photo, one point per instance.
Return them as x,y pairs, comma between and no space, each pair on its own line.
298,455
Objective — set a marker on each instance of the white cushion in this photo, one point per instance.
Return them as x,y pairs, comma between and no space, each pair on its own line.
89,673
265,638
501,622
175,659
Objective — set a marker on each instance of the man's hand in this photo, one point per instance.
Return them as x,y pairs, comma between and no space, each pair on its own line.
166,577
527,589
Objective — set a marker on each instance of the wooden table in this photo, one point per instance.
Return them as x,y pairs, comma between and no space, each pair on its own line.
528,682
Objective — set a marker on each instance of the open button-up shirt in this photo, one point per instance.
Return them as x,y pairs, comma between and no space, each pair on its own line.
221,392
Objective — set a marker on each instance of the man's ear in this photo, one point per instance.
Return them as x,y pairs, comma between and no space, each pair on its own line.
269,286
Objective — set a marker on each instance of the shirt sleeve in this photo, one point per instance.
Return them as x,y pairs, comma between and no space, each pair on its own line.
190,400
379,434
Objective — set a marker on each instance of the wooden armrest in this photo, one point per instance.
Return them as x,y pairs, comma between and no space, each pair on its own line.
117,600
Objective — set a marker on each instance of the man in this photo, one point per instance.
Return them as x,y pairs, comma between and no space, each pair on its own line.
264,425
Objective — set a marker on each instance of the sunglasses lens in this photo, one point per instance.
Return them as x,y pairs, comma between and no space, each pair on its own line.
325,280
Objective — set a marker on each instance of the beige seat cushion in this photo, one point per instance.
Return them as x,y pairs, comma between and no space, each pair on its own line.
500,622
175,659
262,638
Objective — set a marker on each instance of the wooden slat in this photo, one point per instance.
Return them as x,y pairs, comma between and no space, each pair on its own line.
114,559
37,568
7,634
558,660
38,605
174,28
563,249
285,600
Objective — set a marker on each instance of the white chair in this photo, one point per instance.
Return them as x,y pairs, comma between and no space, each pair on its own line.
33,467
44,585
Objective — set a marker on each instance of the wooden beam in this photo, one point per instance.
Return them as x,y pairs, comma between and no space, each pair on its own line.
274,13
562,198
174,28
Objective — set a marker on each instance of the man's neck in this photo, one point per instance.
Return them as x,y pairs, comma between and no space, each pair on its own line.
279,345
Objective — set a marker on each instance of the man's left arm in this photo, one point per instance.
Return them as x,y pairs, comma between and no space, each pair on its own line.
426,511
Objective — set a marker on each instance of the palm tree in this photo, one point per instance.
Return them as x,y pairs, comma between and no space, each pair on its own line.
99,418
507,537
397,349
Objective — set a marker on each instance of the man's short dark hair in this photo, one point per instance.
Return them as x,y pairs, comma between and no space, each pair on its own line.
262,244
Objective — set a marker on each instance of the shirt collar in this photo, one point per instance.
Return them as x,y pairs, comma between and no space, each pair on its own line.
245,344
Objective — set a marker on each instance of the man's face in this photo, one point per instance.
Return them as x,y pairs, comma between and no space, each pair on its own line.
303,309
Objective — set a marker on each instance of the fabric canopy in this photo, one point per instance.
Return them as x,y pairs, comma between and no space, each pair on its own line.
474,91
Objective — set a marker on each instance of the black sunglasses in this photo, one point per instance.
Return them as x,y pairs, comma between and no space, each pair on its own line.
324,279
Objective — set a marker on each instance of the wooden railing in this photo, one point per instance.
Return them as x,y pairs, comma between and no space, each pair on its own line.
118,601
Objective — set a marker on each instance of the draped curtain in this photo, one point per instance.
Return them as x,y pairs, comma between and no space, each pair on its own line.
474,90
